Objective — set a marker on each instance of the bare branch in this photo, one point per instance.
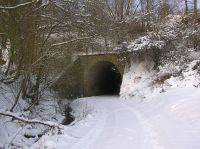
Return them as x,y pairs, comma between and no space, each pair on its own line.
17,6
2,33
48,55
34,121
70,41
16,100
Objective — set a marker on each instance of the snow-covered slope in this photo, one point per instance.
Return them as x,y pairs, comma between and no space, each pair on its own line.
150,114
16,134
157,108
170,120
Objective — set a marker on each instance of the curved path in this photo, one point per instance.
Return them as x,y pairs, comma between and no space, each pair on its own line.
118,126
108,122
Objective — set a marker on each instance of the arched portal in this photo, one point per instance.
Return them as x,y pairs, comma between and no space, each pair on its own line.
104,78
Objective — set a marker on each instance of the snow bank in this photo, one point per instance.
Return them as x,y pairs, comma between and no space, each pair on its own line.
89,119
137,79
142,81
17,134
171,120
176,60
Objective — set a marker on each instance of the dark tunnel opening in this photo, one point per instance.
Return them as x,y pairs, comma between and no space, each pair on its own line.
104,79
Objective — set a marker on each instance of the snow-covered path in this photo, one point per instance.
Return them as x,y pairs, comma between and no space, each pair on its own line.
121,129
169,120
124,127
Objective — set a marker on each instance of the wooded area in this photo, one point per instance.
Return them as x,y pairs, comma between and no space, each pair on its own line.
40,36
38,39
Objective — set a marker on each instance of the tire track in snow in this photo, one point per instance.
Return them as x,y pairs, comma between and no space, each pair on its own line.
121,131
118,125
151,138
94,132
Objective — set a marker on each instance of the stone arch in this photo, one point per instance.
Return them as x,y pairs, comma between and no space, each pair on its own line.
103,77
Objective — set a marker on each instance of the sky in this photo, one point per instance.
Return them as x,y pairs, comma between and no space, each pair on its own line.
197,1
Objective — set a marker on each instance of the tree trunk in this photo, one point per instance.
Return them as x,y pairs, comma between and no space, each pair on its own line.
195,9
16,100
149,9
186,7
121,9
3,47
143,12
128,7
37,89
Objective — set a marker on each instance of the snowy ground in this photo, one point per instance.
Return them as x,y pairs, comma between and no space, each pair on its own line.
150,114
146,116
170,120
16,134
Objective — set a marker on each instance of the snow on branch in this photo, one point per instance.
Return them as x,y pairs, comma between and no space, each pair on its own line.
2,33
33,121
145,42
70,41
60,7
17,6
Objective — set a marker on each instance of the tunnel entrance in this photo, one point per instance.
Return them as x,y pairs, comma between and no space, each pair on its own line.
104,79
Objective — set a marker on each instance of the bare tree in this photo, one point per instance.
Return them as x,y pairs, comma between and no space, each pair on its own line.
186,7
195,9
41,36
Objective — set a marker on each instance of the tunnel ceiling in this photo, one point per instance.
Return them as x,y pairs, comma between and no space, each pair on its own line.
104,78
